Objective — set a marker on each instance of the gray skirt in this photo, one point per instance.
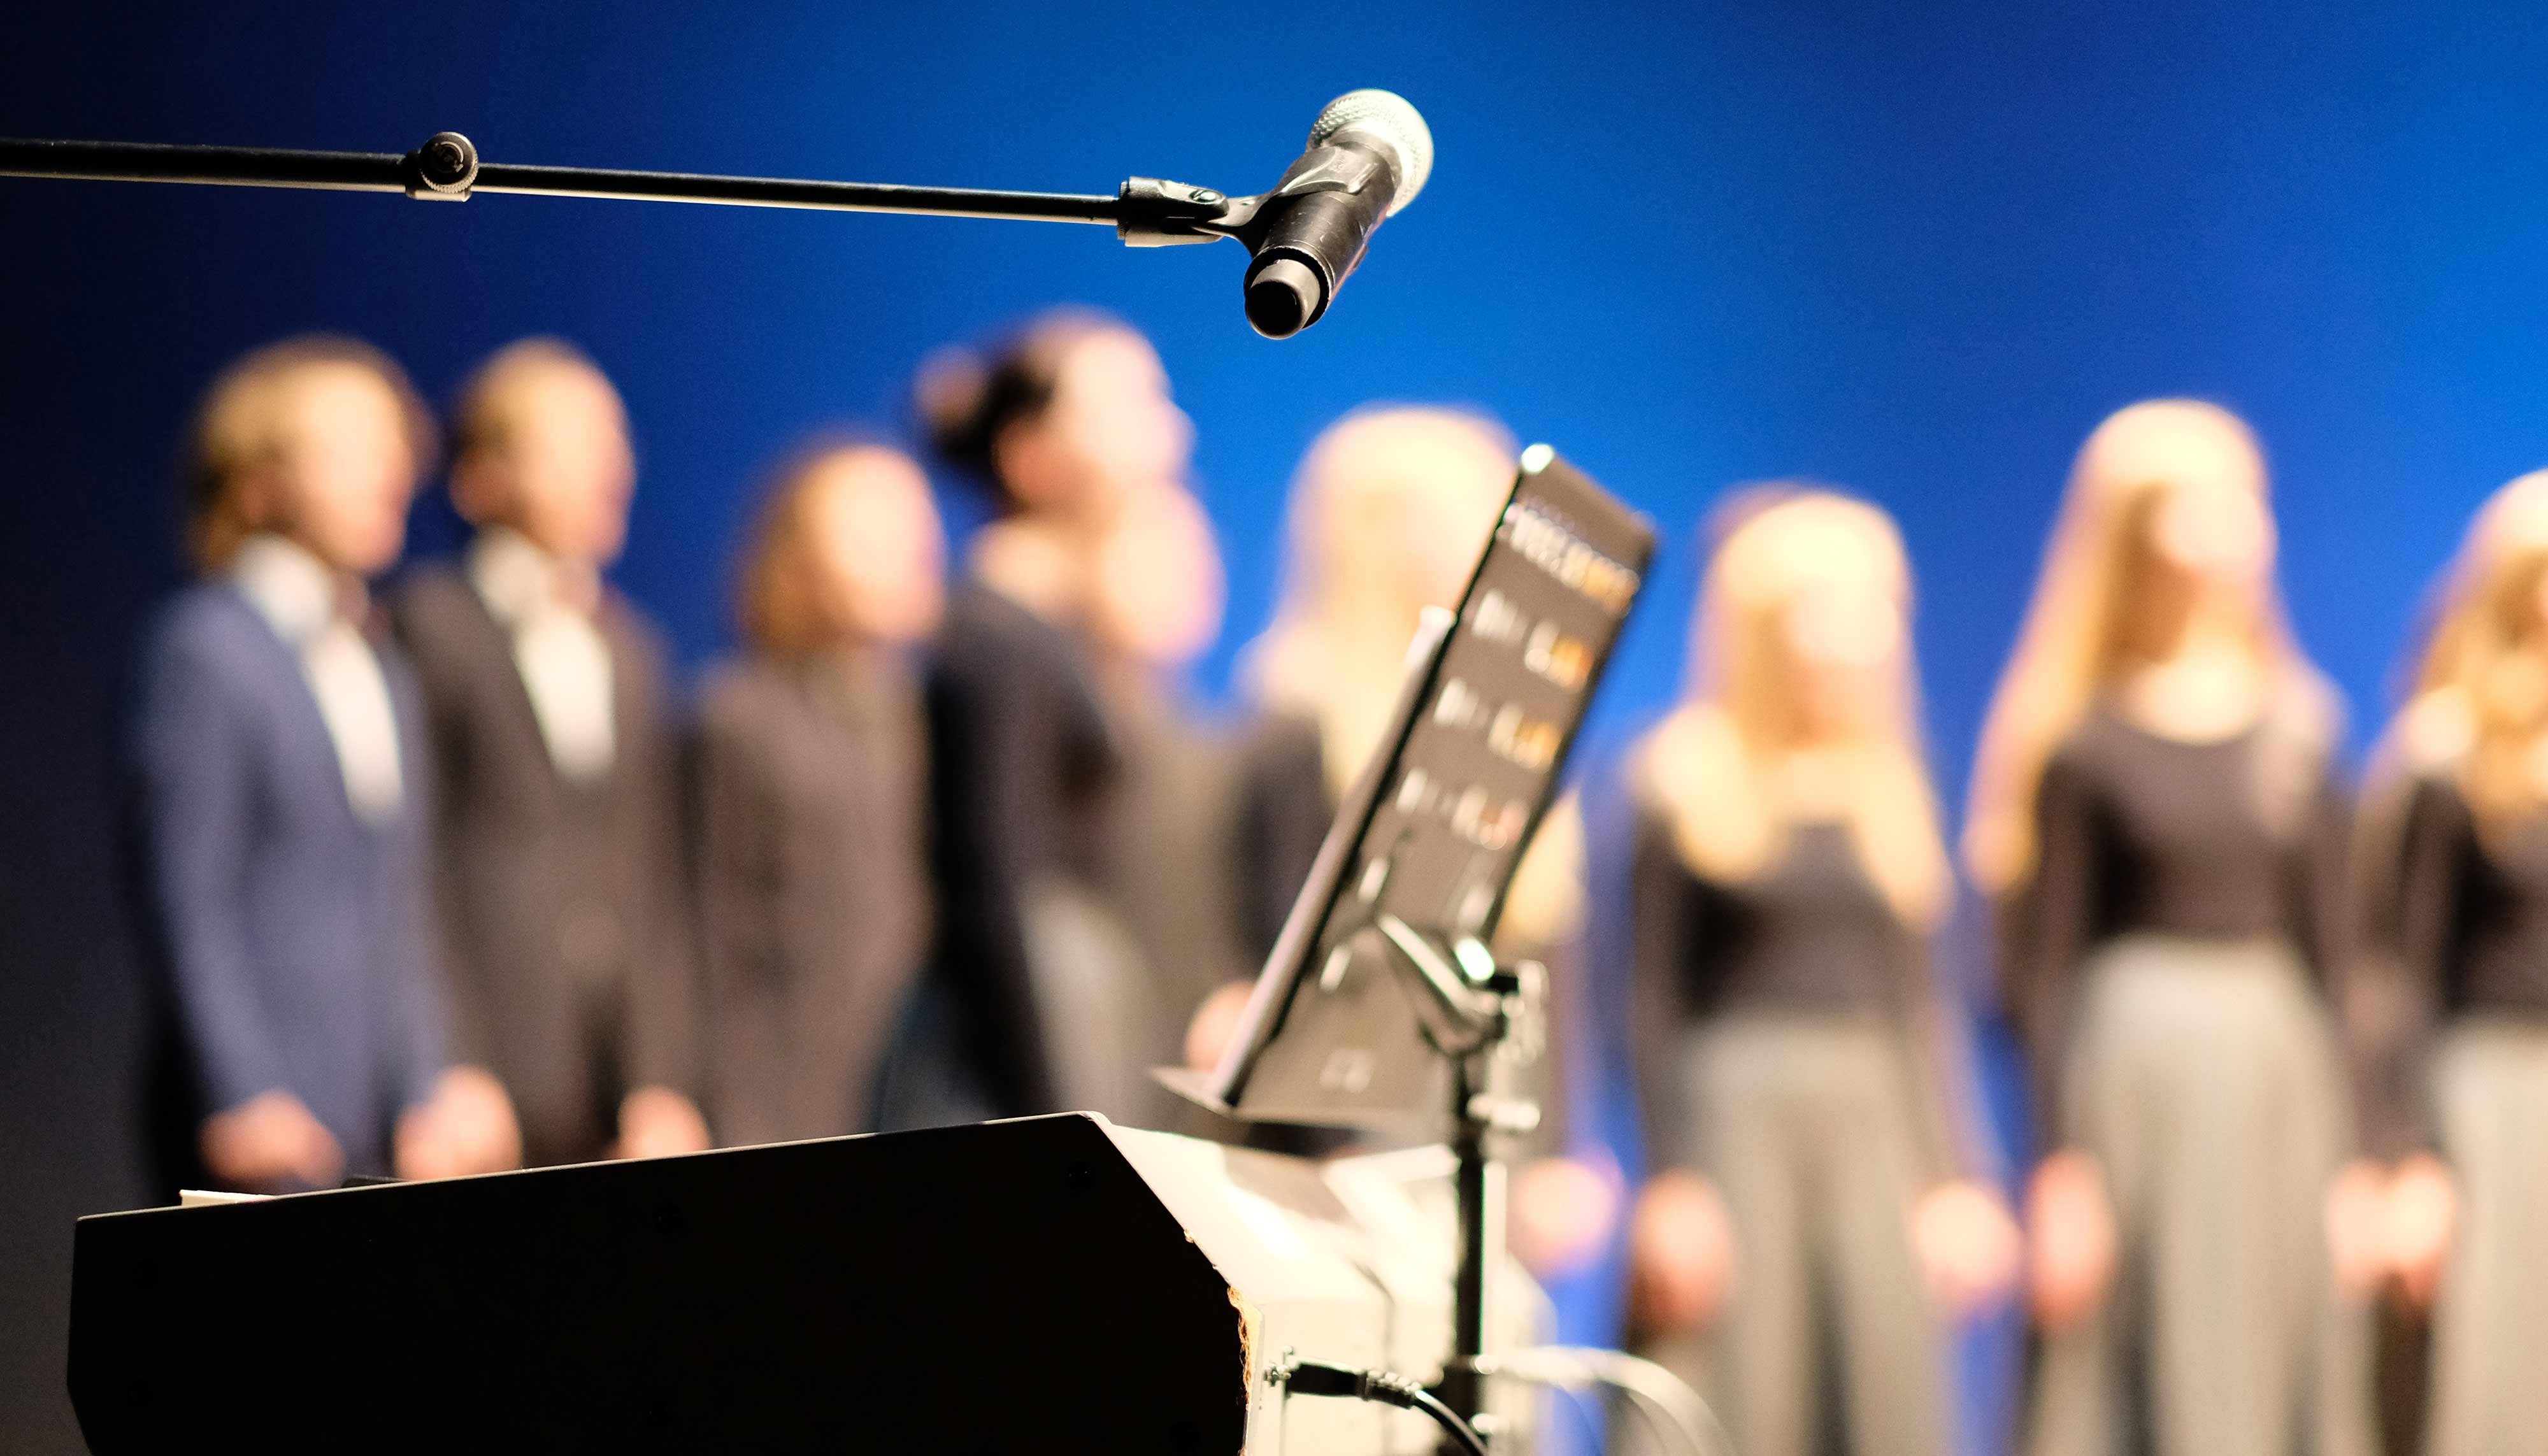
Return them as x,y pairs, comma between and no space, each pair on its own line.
2202,1076
2489,1391
1808,1129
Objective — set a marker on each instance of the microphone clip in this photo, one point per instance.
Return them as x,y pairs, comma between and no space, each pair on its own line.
1152,212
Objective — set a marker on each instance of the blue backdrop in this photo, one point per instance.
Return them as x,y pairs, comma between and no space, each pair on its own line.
1914,249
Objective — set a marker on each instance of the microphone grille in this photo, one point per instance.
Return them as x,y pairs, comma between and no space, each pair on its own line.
1387,118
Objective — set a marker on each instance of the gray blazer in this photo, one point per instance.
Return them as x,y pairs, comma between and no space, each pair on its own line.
814,869
574,970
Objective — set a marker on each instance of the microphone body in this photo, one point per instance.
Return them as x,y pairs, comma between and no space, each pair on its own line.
1369,154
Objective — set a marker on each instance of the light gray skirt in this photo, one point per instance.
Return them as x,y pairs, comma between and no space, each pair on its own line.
2489,1389
1807,1128
2202,1076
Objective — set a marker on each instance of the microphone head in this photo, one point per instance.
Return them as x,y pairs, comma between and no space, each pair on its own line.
1386,119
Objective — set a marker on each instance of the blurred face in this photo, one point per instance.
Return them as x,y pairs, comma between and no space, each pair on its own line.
1159,588
1111,428
1404,506
562,473
1840,641
2218,534
2521,603
1440,547
873,548
342,473
2202,542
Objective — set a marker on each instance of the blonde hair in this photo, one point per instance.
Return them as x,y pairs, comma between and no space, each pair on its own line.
1711,766
1378,489
1372,488
774,606
2481,703
237,428
2071,646
483,418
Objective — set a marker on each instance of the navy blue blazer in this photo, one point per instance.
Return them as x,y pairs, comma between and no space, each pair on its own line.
295,938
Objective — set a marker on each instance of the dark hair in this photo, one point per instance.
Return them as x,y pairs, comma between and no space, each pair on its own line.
230,434
966,400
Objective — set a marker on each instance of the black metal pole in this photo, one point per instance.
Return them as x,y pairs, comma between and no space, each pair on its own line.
780,192
1480,1233
447,166
220,166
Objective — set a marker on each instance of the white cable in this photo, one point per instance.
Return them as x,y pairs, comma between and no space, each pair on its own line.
1662,1397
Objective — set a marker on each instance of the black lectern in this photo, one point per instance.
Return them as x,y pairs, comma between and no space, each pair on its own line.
1043,1285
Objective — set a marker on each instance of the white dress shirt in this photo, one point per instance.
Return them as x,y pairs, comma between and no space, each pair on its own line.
564,663
302,601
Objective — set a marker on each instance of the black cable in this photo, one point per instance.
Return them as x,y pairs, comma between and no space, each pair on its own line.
1318,1378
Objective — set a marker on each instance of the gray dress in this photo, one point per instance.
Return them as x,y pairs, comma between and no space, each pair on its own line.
1781,1036
2167,964
813,850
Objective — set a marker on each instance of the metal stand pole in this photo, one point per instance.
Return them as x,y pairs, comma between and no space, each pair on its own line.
1145,210
1478,1190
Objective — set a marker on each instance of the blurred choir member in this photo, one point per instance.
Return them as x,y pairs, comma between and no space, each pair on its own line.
1389,512
1157,598
1812,1207
284,784
550,705
1388,516
1063,424
814,787
2456,839
2157,810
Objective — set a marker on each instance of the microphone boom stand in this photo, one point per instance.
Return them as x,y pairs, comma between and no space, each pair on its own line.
1469,1006
1145,212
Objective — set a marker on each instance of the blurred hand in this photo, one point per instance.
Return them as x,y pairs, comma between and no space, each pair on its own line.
1683,1264
1968,1245
465,1126
657,1122
2357,1240
270,1143
2419,1218
1215,1022
2070,1259
1560,1212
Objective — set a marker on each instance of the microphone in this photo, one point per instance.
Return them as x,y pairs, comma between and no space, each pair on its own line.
1369,154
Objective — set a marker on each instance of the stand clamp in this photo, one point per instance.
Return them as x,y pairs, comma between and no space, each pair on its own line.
443,169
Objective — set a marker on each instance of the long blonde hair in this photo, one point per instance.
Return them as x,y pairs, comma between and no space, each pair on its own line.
2072,646
2481,698
1390,506
1712,766
1383,494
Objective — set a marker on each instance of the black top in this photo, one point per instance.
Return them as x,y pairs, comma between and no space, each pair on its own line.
2471,941
2474,914
1020,759
1281,816
1811,936
2136,833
